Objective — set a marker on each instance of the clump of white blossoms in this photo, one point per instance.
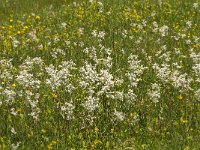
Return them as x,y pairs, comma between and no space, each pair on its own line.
15,146
164,30
130,97
97,81
26,80
91,103
100,35
163,71
56,52
97,84
195,5
181,81
6,71
60,76
30,83
135,70
178,80
8,96
15,42
155,92
91,53
120,116
33,36
196,65
89,75
67,110
7,92
197,95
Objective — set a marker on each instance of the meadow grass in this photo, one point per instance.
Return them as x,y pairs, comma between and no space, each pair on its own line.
101,74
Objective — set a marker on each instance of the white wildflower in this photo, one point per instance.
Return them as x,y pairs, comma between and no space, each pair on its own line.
101,34
197,95
13,131
195,5
63,25
154,92
91,104
120,116
13,112
163,72
181,81
136,69
94,33
15,42
130,96
163,30
60,76
27,80
68,109
189,24
15,146
9,96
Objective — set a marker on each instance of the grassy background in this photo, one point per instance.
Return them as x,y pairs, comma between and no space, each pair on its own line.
21,7
180,127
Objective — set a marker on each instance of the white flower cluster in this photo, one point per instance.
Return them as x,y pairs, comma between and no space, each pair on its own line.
30,84
164,30
67,110
155,92
196,67
181,81
178,80
135,70
60,76
7,93
97,84
119,115
197,95
27,80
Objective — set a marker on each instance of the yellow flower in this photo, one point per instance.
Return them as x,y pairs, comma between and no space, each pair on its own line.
50,145
18,32
43,131
37,17
133,114
112,130
183,121
25,27
13,85
55,95
180,97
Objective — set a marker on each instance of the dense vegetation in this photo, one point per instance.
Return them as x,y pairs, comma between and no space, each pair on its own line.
100,74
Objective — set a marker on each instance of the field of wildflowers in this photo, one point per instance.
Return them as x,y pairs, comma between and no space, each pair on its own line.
100,74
